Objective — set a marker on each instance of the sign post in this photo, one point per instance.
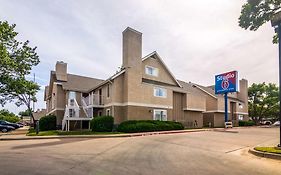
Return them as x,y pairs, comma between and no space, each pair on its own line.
276,23
225,83
225,108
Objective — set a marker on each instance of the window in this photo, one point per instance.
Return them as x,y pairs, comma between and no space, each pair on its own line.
160,115
108,91
240,117
160,92
71,112
108,112
240,106
151,71
100,113
72,95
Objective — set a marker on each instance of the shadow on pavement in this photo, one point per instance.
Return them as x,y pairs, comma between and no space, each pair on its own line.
60,142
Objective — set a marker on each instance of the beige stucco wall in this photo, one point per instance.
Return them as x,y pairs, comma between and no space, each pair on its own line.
60,97
119,114
195,101
54,97
211,103
190,118
118,89
163,74
143,113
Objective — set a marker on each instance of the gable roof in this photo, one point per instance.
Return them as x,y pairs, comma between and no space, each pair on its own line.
107,80
162,62
80,83
189,87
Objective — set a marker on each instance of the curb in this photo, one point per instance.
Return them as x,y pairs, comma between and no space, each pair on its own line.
265,154
102,136
225,130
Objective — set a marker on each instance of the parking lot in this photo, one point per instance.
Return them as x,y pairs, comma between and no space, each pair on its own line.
208,152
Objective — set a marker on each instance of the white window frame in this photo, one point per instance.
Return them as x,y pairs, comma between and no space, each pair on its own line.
154,71
107,112
240,117
157,94
164,116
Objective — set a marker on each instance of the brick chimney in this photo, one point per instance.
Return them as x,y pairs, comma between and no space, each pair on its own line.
132,62
61,71
132,48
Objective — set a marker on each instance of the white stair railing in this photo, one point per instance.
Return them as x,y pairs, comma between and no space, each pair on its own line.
84,106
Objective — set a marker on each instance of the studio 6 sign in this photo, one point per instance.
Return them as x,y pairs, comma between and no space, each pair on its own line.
227,82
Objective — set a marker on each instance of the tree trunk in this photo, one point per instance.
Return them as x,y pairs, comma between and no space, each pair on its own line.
33,119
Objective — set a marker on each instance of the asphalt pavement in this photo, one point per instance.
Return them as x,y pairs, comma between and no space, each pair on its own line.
208,152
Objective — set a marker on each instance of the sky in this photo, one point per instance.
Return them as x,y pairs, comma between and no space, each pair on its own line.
196,39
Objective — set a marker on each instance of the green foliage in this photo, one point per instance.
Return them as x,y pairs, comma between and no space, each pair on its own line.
132,126
102,124
16,61
8,116
268,150
255,13
47,123
263,101
25,113
246,123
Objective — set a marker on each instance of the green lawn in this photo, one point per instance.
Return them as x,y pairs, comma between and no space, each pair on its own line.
55,132
268,149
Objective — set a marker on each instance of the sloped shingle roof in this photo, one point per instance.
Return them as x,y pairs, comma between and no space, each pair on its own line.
80,83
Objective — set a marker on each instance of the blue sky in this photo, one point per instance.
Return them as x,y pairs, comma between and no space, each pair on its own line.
196,39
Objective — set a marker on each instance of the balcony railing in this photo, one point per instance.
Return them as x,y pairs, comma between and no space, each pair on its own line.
94,99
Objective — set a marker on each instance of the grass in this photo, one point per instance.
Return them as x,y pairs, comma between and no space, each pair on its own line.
32,132
268,150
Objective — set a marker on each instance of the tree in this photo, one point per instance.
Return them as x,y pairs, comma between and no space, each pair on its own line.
16,61
263,101
255,13
8,116
25,113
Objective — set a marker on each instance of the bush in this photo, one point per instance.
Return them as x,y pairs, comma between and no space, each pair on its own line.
47,123
102,124
246,123
12,119
8,116
131,126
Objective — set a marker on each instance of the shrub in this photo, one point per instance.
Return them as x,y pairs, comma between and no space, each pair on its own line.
102,124
12,119
246,123
47,123
131,126
8,116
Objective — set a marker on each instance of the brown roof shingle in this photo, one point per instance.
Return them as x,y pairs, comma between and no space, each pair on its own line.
80,83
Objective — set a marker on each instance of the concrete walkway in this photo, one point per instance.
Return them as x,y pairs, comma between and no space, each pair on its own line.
24,137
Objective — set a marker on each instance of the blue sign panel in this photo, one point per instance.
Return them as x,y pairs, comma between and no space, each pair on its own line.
226,82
